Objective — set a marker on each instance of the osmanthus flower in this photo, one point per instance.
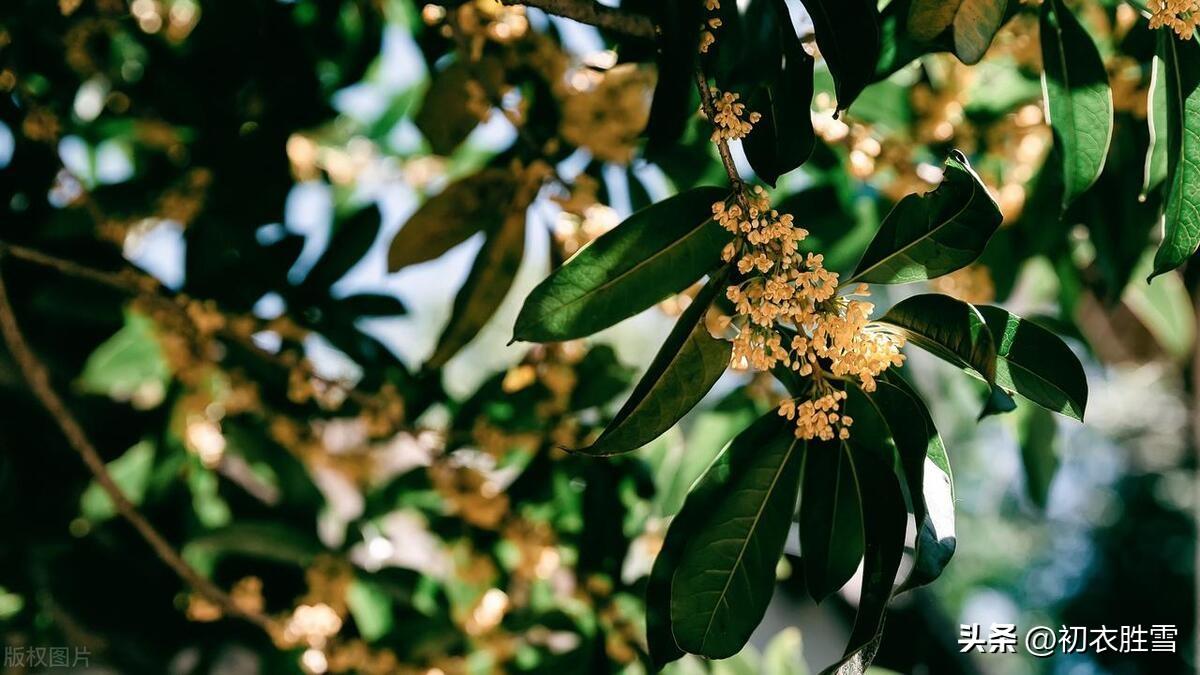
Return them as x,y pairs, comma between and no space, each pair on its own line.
788,312
1181,16
731,120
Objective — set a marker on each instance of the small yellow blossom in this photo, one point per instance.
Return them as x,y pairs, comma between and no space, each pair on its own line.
1181,16
731,121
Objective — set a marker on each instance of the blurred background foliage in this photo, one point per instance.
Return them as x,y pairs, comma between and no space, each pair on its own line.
354,452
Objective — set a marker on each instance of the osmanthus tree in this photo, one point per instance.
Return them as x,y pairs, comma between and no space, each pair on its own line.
851,450
887,148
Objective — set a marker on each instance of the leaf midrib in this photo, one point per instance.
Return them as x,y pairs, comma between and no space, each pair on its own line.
746,542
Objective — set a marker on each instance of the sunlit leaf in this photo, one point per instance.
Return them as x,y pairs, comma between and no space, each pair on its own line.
130,365
1079,102
687,365
653,254
1181,218
933,234
1035,363
1156,118
473,204
949,329
131,472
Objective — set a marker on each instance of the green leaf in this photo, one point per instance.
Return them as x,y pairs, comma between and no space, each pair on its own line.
1156,118
1079,102
129,366
1035,363
445,117
949,329
695,516
1181,219
1036,433
488,281
973,24
351,240
371,304
473,204
726,573
783,139
653,254
678,50
884,520
831,526
927,470
371,608
899,46
687,365
848,36
933,234
131,472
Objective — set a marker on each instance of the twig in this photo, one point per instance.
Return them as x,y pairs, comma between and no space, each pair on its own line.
710,111
629,24
39,383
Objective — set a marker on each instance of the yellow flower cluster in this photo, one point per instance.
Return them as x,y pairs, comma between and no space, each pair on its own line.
606,113
1181,16
731,121
707,38
788,312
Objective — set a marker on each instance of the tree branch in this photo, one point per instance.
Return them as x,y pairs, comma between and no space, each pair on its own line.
38,378
629,24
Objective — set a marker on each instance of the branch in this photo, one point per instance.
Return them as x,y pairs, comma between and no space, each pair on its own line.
39,383
629,24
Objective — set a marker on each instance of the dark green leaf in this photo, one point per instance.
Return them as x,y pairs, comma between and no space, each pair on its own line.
726,573
714,485
949,329
899,47
1038,457
936,540
351,240
371,304
687,365
972,23
655,253
848,36
1078,99
678,51
1181,221
933,234
1035,363
473,204
831,526
783,139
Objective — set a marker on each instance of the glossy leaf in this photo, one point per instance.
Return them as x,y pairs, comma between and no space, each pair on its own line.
949,329
473,204
687,365
1181,218
726,573
716,484
831,527
898,46
1079,102
884,521
783,139
847,33
927,236
1035,363
653,254
936,542
1156,119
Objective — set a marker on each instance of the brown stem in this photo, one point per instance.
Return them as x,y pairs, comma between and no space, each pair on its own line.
593,13
38,378
710,111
